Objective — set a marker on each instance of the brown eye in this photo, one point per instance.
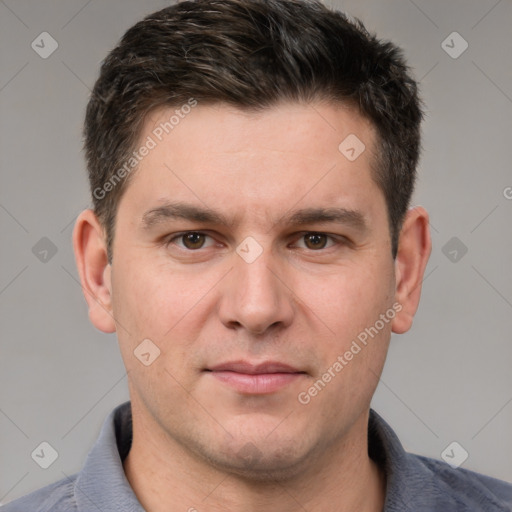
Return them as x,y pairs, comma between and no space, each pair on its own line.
193,240
315,240
189,241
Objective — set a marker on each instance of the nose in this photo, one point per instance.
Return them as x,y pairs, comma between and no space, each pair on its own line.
255,296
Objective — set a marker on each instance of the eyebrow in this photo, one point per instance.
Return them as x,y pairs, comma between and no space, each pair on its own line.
173,211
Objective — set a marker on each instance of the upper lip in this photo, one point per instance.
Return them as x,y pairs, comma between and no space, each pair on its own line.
254,369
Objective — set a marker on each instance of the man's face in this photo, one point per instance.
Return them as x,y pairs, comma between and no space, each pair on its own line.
301,267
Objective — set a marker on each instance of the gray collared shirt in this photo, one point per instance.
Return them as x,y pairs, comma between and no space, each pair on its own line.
414,483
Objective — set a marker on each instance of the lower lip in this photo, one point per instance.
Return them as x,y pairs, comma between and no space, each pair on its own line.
259,384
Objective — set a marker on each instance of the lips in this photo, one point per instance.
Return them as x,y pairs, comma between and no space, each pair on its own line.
254,369
256,379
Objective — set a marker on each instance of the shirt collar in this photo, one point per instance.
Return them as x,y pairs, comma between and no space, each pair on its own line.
102,482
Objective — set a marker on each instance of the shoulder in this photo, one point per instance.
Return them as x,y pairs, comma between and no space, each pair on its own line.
57,497
465,489
423,484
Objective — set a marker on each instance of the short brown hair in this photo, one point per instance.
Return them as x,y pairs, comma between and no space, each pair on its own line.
251,54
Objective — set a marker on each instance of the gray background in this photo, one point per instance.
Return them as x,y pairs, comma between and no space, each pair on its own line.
447,379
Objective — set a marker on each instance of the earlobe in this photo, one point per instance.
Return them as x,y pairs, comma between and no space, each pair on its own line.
94,270
414,250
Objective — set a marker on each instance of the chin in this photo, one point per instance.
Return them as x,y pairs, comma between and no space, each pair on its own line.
271,463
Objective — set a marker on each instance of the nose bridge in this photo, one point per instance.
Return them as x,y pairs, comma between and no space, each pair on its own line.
256,298
257,280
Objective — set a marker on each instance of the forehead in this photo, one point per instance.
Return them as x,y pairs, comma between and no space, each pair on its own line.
319,125
317,155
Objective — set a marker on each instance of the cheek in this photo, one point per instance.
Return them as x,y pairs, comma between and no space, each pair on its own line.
348,302
150,301
360,313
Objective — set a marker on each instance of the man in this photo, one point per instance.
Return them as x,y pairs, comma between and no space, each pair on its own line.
251,165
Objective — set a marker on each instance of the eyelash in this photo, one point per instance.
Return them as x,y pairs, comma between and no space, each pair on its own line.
336,240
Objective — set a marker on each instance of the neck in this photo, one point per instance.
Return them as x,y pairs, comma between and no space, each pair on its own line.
166,477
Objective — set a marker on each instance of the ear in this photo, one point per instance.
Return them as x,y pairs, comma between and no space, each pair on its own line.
414,249
94,270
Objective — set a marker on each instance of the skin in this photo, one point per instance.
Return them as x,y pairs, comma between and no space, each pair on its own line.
301,302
